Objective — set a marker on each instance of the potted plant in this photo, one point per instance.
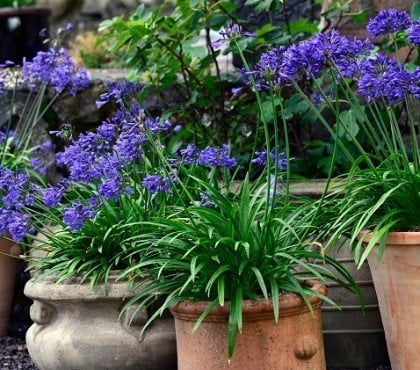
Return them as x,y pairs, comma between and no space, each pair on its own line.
226,261
17,152
20,30
372,98
163,216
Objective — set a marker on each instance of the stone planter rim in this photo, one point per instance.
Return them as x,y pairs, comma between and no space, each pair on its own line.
48,288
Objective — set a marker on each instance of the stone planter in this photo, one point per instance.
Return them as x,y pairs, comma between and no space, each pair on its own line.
295,342
77,328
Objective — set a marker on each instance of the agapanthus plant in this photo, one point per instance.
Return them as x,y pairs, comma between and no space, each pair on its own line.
46,77
133,204
373,99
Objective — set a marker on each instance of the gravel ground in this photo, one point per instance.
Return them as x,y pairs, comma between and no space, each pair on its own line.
13,352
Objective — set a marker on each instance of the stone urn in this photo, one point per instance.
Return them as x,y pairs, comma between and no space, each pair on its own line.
77,327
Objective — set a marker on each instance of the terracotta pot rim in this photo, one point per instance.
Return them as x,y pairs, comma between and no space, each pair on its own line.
49,289
402,238
25,10
252,310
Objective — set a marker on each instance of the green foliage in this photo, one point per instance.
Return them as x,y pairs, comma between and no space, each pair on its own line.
228,252
15,3
171,50
380,199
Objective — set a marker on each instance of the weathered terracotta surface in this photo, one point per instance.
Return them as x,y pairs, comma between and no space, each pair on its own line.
294,343
76,328
397,284
8,267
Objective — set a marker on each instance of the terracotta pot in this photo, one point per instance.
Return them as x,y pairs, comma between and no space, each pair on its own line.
294,343
77,328
8,267
397,285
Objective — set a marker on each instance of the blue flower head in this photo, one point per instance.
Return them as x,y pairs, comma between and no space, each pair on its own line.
388,21
55,68
414,34
156,183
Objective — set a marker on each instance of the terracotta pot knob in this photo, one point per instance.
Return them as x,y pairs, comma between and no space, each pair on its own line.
306,347
41,312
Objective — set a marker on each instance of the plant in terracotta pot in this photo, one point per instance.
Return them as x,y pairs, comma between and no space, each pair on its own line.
373,99
20,153
234,266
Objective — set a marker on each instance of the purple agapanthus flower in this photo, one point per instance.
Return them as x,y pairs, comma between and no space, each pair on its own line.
111,188
268,72
16,193
76,215
190,153
260,158
52,195
156,183
55,68
388,21
156,125
119,91
414,34
216,157
19,226
230,32
382,77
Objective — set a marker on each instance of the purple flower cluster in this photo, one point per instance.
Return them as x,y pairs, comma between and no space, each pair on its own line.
15,194
230,32
157,183
105,158
388,21
42,158
119,91
209,156
378,77
414,34
52,195
309,58
76,215
384,78
260,159
55,68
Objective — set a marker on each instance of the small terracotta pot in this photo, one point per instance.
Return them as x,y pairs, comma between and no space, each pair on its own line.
397,285
19,32
294,343
8,267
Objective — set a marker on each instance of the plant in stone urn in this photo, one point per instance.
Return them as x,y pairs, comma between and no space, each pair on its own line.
373,99
79,232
